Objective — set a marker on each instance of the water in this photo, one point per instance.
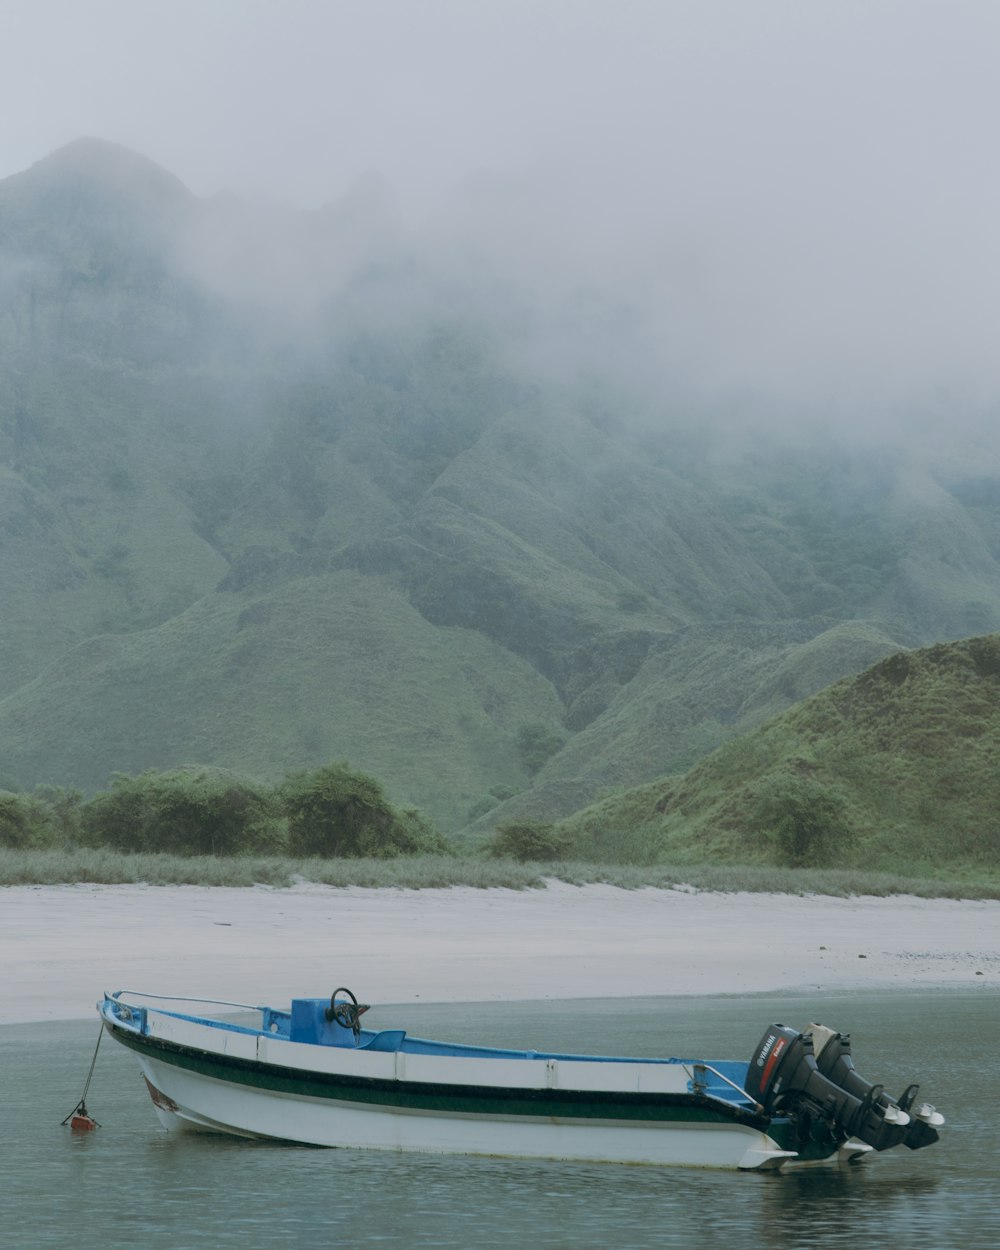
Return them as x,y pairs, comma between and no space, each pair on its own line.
130,1184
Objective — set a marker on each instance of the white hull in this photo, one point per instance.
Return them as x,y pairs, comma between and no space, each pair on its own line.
305,1076
191,1102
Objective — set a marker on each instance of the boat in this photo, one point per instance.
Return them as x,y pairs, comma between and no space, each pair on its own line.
312,1074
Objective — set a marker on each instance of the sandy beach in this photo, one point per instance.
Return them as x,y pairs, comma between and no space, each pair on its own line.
61,946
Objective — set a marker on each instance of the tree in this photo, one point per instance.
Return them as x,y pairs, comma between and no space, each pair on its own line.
15,820
806,821
38,819
208,811
337,812
117,817
528,840
62,807
212,812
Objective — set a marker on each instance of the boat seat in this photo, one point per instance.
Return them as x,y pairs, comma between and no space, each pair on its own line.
387,1040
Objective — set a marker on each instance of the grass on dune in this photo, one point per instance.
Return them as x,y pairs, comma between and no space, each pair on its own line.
50,867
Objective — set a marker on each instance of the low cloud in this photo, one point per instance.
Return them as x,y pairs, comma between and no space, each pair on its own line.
760,215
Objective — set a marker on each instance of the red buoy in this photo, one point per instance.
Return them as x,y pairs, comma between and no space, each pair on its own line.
79,1119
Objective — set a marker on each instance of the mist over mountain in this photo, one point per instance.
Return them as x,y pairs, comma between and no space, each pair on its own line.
280,486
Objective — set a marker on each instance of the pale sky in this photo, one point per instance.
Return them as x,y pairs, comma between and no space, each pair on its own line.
789,189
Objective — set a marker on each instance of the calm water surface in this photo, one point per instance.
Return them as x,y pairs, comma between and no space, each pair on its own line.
130,1184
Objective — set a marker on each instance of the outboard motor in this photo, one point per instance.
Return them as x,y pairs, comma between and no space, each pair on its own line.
785,1078
833,1058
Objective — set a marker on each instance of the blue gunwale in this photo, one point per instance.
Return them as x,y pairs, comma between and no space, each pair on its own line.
393,1040
128,1024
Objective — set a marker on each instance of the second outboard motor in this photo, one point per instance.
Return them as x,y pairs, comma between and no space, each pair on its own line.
833,1058
784,1077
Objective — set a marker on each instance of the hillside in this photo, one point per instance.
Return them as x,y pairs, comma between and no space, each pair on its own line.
272,493
907,750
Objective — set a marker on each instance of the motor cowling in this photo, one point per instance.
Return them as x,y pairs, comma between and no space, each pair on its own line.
786,1077
780,1052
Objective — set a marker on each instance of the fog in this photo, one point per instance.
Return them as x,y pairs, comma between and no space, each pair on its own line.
774,211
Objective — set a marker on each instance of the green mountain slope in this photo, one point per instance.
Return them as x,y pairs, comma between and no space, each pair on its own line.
907,750
324,668
268,496
684,695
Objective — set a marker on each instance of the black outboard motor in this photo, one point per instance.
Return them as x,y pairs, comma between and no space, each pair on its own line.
833,1058
785,1078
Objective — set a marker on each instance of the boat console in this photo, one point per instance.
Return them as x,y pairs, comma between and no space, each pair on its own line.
313,1022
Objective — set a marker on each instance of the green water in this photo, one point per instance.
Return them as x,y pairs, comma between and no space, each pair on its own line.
130,1184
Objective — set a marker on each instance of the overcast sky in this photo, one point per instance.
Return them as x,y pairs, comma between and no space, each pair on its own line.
797,192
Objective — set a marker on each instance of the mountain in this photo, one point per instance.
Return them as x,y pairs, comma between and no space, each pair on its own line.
276,489
905,752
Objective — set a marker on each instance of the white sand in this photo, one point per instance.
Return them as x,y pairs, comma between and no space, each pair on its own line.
61,946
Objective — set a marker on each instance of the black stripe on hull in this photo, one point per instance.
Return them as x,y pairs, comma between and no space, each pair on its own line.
450,1099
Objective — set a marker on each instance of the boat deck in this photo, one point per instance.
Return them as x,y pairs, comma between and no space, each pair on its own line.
723,1079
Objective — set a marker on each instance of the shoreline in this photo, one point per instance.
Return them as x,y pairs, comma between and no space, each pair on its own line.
62,946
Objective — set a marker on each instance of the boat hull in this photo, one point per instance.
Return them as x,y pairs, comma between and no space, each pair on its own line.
250,1085
189,1101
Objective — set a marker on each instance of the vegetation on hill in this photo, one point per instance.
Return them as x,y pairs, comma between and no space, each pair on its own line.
884,783
895,766
263,524
332,812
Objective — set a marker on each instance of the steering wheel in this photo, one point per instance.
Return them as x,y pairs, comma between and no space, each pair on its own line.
347,1015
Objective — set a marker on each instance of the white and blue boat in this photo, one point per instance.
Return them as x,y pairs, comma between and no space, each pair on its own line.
311,1074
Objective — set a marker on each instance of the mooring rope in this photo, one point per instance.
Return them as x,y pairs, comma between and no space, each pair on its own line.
81,1106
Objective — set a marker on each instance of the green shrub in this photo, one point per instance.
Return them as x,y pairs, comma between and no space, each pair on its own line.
185,811
338,812
806,821
117,817
526,840
420,834
16,828
26,820
62,808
